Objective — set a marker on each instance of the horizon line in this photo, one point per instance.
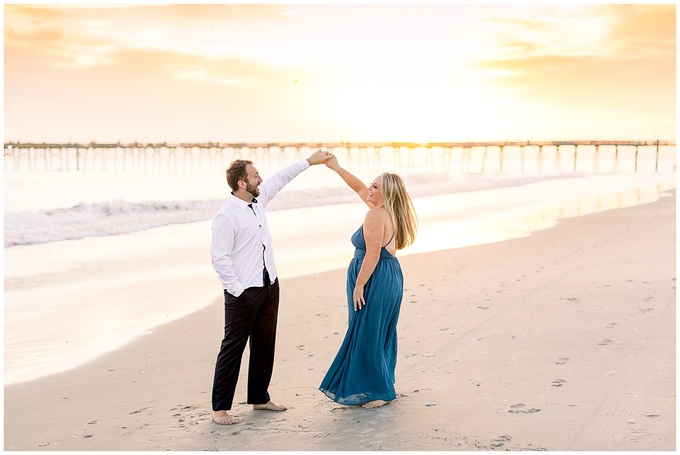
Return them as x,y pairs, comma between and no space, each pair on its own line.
328,144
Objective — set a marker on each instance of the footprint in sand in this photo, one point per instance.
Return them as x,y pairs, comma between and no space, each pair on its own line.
558,382
562,361
195,415
498,441
611,325
604,342
519,409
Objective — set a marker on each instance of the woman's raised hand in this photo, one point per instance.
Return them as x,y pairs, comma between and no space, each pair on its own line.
332,162
319,157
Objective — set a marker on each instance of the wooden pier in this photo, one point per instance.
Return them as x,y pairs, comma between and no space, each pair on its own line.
474,157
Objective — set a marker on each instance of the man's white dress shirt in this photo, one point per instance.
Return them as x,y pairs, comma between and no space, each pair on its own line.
241,242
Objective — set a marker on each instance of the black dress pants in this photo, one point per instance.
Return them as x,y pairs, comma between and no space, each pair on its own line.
252,315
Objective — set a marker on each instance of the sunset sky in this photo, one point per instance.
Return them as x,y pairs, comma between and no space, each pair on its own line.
322,72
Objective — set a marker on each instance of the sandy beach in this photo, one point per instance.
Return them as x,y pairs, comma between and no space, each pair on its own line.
562,340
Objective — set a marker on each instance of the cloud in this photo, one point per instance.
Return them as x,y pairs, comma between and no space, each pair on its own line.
32,27
152,95
642,29
157,70
579,80
627,71
86,34
217,12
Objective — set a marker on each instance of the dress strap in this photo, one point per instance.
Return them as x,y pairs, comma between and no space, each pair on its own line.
389,241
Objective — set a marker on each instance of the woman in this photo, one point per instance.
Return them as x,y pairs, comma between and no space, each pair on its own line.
363,370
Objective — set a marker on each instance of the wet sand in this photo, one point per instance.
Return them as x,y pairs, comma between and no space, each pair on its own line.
563,340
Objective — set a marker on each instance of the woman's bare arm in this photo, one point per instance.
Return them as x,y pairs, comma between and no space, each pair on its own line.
350,179
374,229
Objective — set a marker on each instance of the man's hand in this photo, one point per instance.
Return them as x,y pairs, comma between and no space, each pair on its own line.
319,157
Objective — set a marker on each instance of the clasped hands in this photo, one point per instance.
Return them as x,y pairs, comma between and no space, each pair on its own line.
319,157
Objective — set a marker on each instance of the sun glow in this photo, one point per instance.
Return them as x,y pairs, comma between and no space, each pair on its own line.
419,73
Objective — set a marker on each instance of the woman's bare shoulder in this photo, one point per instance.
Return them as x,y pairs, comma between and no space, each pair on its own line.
377,218
377,213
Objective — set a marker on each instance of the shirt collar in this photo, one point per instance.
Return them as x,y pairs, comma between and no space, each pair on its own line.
240,202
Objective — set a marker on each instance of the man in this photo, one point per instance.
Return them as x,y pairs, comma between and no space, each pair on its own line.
243,258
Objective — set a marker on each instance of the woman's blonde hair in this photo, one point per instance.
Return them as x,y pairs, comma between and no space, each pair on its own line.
400,207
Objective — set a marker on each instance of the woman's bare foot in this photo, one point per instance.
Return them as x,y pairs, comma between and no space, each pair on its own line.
375,404
223,418
269,406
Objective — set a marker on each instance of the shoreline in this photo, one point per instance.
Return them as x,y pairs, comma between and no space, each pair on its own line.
562,340
167,277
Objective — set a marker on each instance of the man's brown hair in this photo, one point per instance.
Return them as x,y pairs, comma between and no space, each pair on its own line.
237,171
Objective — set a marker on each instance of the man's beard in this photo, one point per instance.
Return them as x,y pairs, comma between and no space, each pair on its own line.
255,191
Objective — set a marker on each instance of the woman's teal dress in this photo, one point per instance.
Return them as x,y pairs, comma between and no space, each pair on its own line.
363,369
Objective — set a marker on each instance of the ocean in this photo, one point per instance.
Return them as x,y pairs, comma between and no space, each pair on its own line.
98,256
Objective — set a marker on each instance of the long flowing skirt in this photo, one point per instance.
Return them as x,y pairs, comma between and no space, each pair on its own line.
363,369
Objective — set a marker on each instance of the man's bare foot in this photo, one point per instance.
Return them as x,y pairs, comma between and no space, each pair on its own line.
375,404
223,418
269,406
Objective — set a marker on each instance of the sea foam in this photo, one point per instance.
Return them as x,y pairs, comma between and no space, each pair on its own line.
120,216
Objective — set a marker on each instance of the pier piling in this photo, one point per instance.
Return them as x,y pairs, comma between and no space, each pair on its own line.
432,157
